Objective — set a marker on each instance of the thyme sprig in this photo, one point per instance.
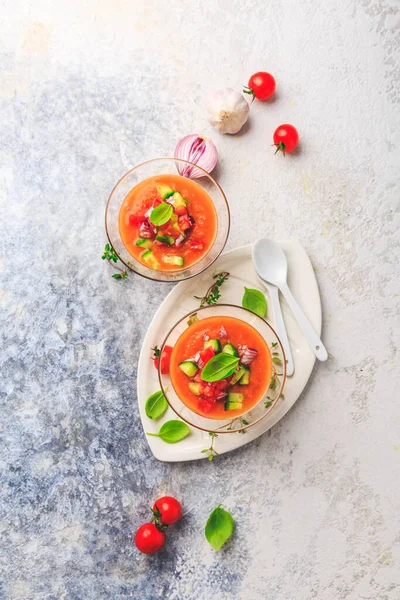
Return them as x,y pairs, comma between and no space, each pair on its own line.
212,453
112,257
213,293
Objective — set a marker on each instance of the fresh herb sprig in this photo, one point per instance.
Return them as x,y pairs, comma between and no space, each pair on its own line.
112,257
213,293
212,453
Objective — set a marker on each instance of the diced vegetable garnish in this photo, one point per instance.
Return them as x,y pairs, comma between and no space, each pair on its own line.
195,388
150,259
170,259
235,397
232,403
143,243
189,367
245,379
165,239
237,376
214,344
184,222
165,191
229,349
178,201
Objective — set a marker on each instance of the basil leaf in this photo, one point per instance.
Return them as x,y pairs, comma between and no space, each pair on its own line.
161,214
219,527
172,432
156,405
255,301
219,366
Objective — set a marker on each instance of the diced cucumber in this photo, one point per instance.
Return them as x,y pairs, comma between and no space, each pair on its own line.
214,344
144,243
189,367
237,376
170,259
245,379
229,349
195,388
165,239
165,191
179,200
174,222
150,260
235,397
234,401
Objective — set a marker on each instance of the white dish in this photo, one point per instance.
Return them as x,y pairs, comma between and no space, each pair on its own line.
238,262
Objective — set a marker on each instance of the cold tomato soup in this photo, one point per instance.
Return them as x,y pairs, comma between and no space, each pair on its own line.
235,394
176,235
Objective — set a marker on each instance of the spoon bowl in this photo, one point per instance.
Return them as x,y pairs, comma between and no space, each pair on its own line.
271,265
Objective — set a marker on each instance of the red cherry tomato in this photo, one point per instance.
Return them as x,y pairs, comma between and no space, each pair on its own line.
168,510
286,138
165,358
261,85
149,539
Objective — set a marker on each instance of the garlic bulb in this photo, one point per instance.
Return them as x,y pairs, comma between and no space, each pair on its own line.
227,110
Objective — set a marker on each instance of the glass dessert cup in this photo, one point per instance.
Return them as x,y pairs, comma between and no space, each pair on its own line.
153,168
267,400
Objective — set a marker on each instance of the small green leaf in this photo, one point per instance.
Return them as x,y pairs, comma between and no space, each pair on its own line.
282,396
219,366
255,301
156,405
161,214
192,319
276,360
219,527
268,404
274,344
172,432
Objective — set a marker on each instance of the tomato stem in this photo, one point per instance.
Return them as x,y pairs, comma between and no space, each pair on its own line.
280,147
247,90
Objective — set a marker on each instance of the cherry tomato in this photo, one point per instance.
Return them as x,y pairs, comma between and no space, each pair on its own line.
286,138
168,510
165,358
261,85
149,539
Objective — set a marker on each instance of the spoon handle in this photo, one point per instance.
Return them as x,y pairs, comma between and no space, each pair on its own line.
315,342
280,327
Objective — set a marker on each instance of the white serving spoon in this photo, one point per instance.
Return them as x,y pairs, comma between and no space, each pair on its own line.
279,326
271,265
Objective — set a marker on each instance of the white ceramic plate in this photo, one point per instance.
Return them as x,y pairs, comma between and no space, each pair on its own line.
238,262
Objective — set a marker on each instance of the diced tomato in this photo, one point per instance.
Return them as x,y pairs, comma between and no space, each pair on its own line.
221,385
181,210
208,390
136,219
205,356
184,222
157,202
205,406
195,245
197,378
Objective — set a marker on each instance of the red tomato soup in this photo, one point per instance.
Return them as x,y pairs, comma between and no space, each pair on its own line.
234,395
177,242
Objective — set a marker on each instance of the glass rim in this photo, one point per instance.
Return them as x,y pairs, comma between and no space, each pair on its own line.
219,430
206,174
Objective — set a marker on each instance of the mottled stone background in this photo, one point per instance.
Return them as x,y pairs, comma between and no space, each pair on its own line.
89,88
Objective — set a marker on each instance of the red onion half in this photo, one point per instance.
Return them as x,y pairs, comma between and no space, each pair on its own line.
198,150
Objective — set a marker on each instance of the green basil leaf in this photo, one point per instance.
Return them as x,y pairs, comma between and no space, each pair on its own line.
156,405
172,432
161,214
219,366
255,301
219,527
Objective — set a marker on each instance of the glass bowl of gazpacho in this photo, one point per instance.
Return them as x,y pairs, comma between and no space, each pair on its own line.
227,369
165,226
